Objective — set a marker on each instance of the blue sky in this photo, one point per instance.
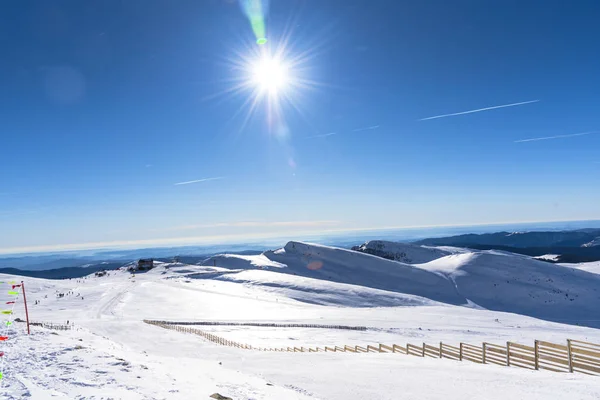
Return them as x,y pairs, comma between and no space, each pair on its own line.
106,106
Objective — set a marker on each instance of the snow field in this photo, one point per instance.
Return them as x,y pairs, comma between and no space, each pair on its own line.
124,358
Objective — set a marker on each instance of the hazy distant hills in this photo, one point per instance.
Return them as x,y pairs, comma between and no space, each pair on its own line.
566,246
71,265
577,238
62,273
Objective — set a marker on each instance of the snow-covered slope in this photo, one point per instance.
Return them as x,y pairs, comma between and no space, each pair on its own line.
346,266
113,354
309,290
508,282
403,252
491,279
593,267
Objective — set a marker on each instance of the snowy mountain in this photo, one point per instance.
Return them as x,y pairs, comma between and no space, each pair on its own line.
454,296
491,279
345,266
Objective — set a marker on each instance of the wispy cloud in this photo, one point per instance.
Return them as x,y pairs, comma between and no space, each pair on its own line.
252,224
368,128
479,110
554,137
322,135
200,180
245,237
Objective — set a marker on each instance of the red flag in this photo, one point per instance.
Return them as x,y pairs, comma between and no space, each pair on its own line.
10,302
3,338
16,286
1,354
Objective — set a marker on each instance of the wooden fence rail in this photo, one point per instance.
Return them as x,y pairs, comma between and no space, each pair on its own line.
264,324
575,356
53,326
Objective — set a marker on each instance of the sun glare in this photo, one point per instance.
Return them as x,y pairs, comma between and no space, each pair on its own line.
270,74
271,78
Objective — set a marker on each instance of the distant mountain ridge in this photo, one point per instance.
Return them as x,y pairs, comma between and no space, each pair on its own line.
62,273
575,238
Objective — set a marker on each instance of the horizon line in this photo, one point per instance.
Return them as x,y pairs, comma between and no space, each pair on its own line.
231,239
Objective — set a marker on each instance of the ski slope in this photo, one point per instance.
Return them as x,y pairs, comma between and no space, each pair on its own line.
113,354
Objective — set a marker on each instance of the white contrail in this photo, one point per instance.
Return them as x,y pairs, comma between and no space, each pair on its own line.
368,128
480,109
323,135
554,137
200,180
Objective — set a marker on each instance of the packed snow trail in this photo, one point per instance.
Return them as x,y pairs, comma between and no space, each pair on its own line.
107,307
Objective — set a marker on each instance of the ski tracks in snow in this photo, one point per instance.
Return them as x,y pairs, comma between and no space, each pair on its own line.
108,308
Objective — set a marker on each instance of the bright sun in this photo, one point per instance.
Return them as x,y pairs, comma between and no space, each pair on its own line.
269,74
269,77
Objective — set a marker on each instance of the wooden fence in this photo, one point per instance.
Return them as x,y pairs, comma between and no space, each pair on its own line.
56,327
575,356
265,325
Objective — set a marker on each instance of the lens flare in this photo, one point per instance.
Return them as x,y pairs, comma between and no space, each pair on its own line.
256,11
315,265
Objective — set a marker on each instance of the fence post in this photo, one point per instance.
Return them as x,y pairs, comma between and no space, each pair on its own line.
460,354
441,351
423,351
484,348
570,355
508,354
537,355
